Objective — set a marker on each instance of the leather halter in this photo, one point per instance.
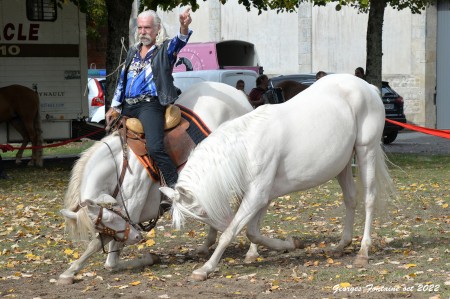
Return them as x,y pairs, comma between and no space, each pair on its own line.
103,229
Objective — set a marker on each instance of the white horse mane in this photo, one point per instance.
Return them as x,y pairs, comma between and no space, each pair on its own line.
225,150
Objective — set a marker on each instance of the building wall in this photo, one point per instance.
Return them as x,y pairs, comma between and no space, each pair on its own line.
321,38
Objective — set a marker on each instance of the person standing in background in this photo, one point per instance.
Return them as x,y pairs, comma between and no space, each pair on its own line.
320,74
255,96
359,72
240,85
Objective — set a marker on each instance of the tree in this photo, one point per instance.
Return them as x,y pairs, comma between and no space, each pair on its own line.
374,39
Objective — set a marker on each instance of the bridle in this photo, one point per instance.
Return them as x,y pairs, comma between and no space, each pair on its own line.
104,230
101,227
107,231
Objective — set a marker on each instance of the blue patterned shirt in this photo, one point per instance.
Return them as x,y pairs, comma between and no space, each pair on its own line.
140,75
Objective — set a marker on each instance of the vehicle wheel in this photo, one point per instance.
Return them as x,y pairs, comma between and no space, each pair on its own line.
390,137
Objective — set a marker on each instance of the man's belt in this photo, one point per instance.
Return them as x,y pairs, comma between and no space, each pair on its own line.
141,98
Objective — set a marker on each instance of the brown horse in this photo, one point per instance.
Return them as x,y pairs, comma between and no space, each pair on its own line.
291,88
283,92
19,106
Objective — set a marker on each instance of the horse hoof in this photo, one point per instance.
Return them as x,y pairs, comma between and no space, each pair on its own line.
198,276
65,280
334,253
201,252
154,259
110,268
298,244
361,261
250,259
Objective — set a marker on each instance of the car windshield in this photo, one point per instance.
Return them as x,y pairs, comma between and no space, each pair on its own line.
386,91
307,79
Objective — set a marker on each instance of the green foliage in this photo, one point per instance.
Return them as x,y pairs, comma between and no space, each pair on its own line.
96,17
416,6
82,4
167,5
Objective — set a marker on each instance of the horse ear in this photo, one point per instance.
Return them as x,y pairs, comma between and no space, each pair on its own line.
89,203
167,191
69,214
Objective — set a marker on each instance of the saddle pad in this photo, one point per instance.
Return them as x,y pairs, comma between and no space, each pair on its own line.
197,130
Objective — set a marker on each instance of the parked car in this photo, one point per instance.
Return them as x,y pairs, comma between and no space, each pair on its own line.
393,103
96,98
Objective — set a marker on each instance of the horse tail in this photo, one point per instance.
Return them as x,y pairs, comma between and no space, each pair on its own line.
385,188
38,130
385,184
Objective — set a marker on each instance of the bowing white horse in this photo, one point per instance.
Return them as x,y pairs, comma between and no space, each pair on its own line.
230,178
96,174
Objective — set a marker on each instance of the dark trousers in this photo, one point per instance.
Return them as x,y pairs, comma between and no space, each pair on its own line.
151,115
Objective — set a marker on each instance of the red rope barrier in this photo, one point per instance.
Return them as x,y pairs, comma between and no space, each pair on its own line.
8,147
434,132
440,133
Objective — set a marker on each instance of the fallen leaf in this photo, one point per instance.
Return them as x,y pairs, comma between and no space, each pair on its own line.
68,251
407,266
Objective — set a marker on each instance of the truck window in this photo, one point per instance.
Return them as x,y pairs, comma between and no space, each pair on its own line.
41,10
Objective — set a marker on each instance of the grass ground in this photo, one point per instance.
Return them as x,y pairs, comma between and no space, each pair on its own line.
409,256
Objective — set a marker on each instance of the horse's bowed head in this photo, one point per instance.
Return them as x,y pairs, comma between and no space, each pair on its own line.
106,212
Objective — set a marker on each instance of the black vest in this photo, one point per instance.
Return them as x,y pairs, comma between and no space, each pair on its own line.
162,73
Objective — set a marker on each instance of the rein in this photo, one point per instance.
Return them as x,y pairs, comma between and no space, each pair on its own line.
123,139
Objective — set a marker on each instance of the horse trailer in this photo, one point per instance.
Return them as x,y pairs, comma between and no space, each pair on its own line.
227,54
43,47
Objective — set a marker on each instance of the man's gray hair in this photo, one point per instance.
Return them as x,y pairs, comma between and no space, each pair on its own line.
162,34
151,13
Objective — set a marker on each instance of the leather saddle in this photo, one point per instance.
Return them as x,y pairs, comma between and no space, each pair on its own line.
177,141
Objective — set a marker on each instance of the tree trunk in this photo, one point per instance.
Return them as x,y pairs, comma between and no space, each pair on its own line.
119,12
374,64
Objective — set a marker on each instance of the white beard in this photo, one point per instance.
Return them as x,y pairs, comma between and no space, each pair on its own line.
145,39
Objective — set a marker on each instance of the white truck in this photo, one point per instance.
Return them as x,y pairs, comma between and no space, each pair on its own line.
224,61
183,80
43,47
